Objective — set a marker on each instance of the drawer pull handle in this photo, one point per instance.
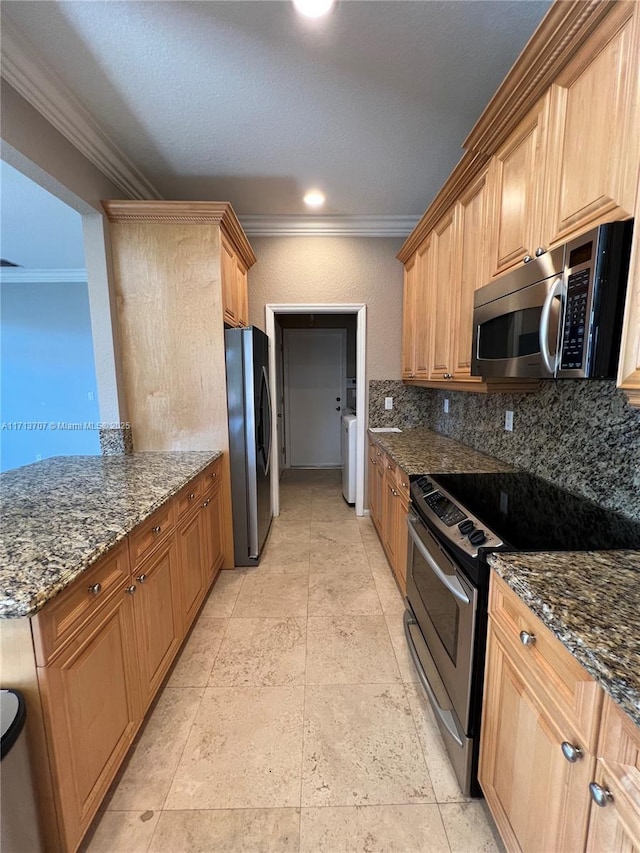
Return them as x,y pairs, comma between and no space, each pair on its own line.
600,796
141,578
206,503
191,496
571,752
156,529
527,639
131,589
96,589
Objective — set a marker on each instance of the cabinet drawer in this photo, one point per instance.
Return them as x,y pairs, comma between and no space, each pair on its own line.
211,476
402,483
63,617
567,685
148,534
189,498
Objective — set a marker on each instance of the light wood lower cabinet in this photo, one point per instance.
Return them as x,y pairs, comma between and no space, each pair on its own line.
91,704
92,660
389,500
559,767
159,627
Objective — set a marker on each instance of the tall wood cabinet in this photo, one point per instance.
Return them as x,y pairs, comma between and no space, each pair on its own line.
177,268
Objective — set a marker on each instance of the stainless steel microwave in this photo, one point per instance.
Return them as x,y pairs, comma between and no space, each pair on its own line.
558,316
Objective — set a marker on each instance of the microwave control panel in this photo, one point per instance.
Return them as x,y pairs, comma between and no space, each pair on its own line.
575,321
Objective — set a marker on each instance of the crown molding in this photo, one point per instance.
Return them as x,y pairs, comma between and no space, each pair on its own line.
185,211
20,275
329,226
50,96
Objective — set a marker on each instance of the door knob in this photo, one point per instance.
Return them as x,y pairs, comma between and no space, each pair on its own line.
337,408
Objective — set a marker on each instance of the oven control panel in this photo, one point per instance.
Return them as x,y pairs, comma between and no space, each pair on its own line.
439,510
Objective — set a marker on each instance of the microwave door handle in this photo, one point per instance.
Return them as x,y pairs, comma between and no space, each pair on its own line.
450,581
550,361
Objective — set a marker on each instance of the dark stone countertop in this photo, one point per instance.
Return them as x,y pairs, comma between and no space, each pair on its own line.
59,516
590,600
423,451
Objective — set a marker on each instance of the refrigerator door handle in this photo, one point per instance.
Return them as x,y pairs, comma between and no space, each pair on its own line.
267,421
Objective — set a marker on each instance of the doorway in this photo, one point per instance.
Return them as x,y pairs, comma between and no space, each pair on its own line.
315,391
352,393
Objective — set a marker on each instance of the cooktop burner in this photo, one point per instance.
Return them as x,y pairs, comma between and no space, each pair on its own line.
530,514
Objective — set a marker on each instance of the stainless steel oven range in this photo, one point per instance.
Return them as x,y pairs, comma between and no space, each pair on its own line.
455,522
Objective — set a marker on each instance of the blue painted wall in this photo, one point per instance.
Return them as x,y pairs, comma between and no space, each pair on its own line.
47,372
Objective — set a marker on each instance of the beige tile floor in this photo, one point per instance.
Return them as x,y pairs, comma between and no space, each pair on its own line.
292,720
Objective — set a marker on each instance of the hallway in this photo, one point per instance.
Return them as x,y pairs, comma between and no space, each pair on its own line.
292,720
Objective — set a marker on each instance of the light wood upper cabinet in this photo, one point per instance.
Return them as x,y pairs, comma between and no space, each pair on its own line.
473,210
517,175
594,138
423,310
242,291
409,319
234,285
444,287
615,826
629,366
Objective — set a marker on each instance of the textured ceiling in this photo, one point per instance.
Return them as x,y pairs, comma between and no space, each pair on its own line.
247,102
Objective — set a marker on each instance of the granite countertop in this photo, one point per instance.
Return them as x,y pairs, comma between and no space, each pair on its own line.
591,602
423,451
60,515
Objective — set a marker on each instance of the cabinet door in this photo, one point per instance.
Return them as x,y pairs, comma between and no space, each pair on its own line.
92,711
424,308
158,619
615,827
389,516
538,799
191,567
594,148
229,283
372,481
400,533
444,285
409,319
517,174
378,485
242,293
472,252
212,519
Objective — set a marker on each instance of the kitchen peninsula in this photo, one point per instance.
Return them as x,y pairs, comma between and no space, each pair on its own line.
104,564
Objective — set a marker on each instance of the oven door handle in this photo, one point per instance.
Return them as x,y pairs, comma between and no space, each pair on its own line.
450,581
445,714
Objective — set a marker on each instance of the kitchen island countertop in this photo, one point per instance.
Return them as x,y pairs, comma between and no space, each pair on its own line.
423,451
590,600
59,516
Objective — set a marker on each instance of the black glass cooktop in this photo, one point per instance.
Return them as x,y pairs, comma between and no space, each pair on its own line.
530,514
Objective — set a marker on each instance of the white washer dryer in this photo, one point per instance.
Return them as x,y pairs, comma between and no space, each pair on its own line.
349,422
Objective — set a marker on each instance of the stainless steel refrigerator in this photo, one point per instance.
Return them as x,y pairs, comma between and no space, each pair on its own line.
249,404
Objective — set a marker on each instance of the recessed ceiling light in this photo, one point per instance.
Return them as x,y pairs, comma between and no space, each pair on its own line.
313,8
314,198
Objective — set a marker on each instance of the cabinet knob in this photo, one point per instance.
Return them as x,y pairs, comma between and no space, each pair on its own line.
600,796
214,474
96,589
141,578
448,375
373,462
540,251
206,503
389,466
131,589
191,496
156,529
571,752
527,639
527,259
378,453
394,493
404,485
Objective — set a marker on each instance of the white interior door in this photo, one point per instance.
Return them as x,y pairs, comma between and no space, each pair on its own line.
315,363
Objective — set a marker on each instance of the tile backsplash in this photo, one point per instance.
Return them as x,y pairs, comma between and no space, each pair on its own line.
411,405
581,435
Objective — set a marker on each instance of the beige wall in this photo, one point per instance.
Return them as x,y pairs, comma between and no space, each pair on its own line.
335,270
